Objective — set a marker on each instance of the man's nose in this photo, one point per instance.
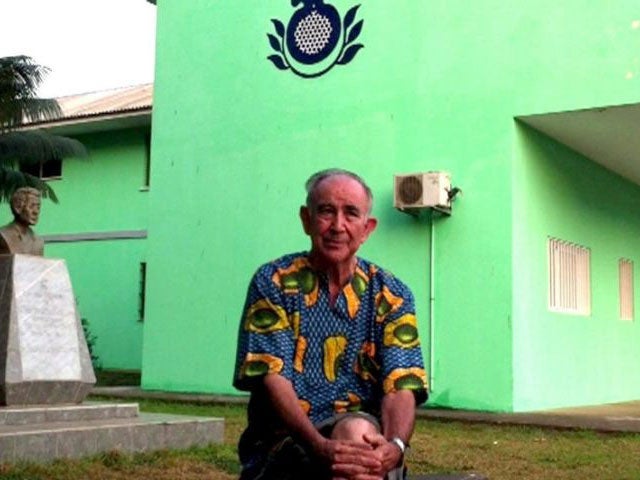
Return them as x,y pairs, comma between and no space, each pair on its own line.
338,222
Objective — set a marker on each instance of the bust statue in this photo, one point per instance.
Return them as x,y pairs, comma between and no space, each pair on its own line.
17,236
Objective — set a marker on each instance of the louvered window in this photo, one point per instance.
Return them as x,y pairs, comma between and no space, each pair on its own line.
569,278
625,273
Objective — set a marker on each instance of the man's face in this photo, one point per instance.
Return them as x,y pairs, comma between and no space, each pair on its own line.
338,220
30,211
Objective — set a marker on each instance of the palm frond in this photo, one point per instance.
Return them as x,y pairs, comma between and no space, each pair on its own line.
14,114
11,180
20,78
37,146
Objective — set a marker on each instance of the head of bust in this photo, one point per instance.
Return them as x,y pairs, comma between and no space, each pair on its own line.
25,205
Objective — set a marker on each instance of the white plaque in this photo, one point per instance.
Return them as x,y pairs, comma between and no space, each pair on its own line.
45,307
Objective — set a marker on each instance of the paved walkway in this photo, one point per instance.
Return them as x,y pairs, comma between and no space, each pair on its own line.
615,417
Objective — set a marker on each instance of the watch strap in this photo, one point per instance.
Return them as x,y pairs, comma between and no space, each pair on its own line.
400,444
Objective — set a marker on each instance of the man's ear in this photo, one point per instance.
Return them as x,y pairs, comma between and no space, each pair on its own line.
370,226
305,218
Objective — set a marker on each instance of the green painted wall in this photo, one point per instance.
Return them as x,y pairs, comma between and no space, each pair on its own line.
561,359
105,277
570,55
567,56
435,88
103,194
234,140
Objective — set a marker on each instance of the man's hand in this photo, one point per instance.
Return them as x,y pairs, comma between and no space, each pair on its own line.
370,461
389,453
351,459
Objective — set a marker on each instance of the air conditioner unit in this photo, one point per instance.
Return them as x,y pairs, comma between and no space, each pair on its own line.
422,190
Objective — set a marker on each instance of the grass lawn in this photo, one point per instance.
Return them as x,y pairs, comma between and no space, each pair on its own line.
497,451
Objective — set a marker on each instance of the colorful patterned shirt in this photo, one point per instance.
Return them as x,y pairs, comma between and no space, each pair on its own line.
340,358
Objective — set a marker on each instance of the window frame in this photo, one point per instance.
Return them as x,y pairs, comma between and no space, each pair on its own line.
142,288
569,277
38,169
626,300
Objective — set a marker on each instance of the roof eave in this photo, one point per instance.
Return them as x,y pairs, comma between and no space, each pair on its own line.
95,122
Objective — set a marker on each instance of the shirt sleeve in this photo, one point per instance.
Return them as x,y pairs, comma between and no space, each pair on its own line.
400,351
265,338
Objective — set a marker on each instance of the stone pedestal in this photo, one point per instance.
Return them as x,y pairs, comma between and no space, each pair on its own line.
44,357
46,433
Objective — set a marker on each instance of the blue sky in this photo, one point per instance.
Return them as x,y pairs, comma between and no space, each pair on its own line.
89,45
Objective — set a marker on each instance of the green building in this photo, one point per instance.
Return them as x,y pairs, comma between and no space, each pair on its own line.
100,224
524,293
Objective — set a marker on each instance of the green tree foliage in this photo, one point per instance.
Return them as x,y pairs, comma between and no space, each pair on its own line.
20,77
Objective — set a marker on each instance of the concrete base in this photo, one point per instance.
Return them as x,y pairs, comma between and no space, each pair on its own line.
42,434
44,358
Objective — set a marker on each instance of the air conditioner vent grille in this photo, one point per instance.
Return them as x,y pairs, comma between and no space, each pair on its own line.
410,190
422,190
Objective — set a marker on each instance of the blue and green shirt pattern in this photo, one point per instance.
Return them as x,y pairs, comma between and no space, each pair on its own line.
339,358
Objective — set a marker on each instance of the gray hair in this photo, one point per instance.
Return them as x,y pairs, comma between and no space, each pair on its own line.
314,180
20,196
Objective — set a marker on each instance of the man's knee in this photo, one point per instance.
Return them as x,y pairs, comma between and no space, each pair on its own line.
353,428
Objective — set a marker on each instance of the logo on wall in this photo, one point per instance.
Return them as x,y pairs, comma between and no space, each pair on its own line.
316,39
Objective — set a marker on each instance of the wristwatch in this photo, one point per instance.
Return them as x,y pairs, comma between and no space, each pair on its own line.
400,444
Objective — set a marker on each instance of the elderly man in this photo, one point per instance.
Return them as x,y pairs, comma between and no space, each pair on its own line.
328,348
17,236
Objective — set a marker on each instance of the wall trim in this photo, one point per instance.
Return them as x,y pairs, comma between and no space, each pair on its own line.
95,236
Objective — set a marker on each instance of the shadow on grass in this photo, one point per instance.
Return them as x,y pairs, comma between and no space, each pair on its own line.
117,378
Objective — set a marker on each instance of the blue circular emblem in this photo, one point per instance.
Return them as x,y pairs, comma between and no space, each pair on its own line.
313,32
315,39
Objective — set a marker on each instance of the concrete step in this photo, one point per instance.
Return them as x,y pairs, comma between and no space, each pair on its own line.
47,441
88,411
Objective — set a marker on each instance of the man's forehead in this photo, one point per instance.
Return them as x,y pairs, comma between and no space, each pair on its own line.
341,184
